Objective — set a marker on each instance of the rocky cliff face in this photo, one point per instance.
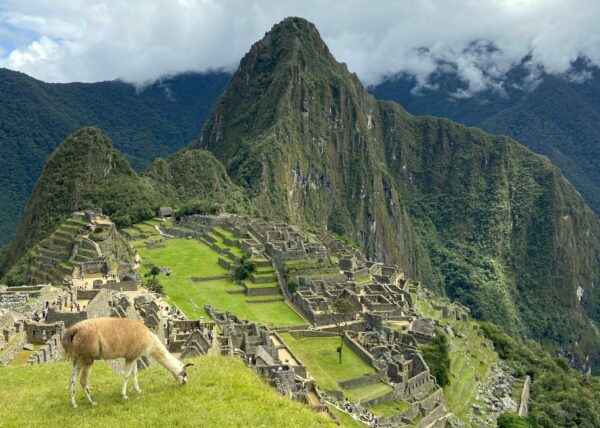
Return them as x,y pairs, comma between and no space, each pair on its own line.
477,217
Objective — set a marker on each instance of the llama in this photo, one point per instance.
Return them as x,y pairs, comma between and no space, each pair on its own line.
111,338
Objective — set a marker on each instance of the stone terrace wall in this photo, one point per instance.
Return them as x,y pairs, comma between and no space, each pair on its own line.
359,381
355,346
15,346
51,351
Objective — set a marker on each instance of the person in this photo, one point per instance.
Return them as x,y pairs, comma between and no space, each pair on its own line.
36,317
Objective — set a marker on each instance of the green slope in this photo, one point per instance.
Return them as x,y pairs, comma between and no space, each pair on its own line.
84,172
221,392
475,216
143,124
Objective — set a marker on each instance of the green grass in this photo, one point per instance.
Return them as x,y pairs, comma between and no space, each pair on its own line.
368,392
191,258
24,355
346,419
361,279
221,392
227,233
390,408
250,284
321,359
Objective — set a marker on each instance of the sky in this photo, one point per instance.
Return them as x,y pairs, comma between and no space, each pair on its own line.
141,40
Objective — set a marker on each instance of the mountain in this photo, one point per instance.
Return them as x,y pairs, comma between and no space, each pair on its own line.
195,175
143,124
557,116
84,172
475,216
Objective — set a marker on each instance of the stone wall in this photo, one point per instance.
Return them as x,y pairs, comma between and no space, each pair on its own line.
12,300
432,416
51,351
41,333
381,399
312,333
69,318
360,381
15,345
118,286
86,294
356,347
265,291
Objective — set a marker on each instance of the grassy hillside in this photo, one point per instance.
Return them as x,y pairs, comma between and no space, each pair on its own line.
221,392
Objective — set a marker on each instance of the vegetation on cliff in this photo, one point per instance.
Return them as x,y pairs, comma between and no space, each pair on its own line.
143,123
560,396
476,217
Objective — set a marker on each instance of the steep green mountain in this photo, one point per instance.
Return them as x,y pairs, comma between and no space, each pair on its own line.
477,217
558,118
195,175
36,116
83,172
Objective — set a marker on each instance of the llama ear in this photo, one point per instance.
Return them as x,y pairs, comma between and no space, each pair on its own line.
188,364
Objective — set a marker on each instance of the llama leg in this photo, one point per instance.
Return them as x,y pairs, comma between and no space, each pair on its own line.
85,379
127,369
74,373
135,381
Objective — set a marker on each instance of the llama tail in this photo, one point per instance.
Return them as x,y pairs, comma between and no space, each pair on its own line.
67,339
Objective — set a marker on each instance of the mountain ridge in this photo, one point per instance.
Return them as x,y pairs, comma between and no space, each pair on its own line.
36,116
477,217
449,204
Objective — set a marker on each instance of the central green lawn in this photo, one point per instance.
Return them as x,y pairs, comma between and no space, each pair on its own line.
191,258
322,361
221,392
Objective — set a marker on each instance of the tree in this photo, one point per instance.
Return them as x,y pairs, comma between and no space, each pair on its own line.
242,269
340,310
154,284
154,271
511,420
437,357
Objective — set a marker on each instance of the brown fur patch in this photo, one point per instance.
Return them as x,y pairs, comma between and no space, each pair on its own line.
106,338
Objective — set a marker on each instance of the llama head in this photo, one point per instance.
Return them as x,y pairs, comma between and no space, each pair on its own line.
182,376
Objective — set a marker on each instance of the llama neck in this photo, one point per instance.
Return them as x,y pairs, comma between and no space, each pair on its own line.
164,357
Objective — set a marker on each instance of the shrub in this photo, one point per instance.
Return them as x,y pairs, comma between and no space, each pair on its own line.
437,357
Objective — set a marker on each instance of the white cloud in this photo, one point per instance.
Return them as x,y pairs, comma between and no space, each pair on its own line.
140,40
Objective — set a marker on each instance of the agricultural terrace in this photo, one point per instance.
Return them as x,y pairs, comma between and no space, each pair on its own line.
322,361
191,258
470,360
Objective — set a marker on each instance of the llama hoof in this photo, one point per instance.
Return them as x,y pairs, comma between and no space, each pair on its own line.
93,403
74,405
125,397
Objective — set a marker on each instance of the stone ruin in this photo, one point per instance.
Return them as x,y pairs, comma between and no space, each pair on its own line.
265,352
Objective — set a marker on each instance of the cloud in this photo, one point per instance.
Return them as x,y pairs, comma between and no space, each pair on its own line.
141,40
